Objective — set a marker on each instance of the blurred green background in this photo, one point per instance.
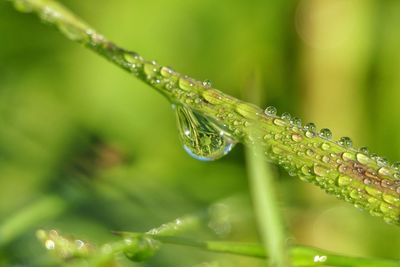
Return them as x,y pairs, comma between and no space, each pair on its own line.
76,126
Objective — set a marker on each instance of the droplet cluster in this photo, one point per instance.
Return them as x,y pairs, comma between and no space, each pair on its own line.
357,176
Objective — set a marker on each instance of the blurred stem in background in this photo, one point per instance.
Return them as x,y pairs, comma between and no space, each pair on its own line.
263,190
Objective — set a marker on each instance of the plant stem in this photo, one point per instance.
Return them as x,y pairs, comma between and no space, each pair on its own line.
270,223
367,181
300,256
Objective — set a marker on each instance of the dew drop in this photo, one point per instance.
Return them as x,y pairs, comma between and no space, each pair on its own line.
286,116
166,72
385,208
390,199
347,156
310,127
207,84
367,181
396,165
344,180
185,83
270,111
202,138
325,146
373,191
325,159
320,170
279,122
364,150
297,137
363,159
384,171
345,142
310,152
325,133
296,121
355,194
381,161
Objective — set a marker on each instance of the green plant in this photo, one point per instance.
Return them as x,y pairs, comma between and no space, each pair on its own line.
210,123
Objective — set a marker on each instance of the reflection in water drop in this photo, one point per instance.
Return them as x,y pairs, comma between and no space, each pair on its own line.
202,138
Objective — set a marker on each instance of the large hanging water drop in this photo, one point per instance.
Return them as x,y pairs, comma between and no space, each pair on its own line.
202,138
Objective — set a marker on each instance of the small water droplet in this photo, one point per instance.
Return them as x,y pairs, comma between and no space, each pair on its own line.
185,83
297,137
384,171
355,194
166,72
207,84
310,127
325,133
385,208
342,168
202,138
279,122
367,181
363,159
320,170
325,159
345,142
344,180
325,146
373,191
270,111
391,199
381,161
364,150
310,152
286,116
347,156
296,121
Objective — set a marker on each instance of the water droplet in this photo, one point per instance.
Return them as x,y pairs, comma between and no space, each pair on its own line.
207,84
166,72
279,122
391,199
310,152
297,137
347,156
345,142
202,138
325,159
325,146
381,161
373,191
140,248
296,121
384,171
342,168
355,194
325,133
320,170
286,116
364,150
367,181
363,159
185,83
385,208
396,165
310,127
344,180
306,170
270,111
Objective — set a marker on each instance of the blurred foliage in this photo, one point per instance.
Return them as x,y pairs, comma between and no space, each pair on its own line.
75,126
